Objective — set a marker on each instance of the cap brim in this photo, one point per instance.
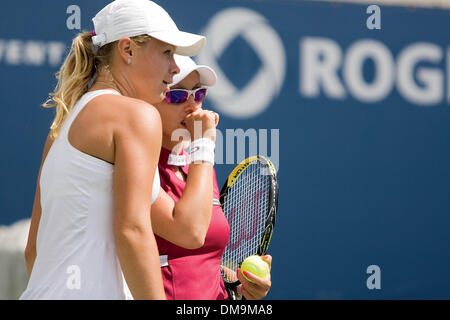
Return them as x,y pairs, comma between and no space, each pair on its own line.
187,44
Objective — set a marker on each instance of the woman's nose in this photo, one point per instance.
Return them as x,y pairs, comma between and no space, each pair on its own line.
174,69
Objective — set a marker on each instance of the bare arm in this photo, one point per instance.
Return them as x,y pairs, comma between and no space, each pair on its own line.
30,249
137,145
186,222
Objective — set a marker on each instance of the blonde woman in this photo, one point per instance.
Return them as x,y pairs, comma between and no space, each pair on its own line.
90,235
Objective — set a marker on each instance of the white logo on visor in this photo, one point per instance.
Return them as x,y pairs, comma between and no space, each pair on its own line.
256,96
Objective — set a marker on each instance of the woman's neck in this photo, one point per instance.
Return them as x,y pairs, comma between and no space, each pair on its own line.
116,81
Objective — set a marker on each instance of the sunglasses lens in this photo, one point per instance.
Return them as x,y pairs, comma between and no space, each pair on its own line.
176,96
200,95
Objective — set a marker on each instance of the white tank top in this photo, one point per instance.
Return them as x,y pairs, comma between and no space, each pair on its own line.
76,256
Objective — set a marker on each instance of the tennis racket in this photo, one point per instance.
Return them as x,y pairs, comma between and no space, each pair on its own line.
249,201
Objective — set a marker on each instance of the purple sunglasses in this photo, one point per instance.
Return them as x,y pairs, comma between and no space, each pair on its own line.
177,96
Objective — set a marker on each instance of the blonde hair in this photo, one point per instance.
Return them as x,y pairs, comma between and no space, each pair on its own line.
77,71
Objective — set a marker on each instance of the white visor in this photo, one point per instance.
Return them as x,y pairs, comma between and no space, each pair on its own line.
187,65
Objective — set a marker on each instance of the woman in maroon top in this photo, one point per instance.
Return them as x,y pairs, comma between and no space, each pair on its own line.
192,240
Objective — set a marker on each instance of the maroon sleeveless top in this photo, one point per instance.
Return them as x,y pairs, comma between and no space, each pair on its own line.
193,274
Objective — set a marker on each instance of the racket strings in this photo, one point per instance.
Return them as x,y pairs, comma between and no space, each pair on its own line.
245,209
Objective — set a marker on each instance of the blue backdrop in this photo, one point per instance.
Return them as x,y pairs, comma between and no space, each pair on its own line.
362,118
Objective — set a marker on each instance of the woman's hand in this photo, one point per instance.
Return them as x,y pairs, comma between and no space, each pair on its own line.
260,287
202,124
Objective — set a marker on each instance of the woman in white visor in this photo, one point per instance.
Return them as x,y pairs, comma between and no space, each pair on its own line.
192,236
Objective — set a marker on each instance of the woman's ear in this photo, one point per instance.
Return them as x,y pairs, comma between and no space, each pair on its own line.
125,49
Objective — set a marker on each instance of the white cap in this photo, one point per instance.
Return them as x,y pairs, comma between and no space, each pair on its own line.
129,18
187,65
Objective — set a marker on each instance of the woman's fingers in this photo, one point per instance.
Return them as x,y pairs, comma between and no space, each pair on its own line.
257,288
268,258
202,123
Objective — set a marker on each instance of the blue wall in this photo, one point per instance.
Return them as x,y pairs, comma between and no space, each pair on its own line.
363,150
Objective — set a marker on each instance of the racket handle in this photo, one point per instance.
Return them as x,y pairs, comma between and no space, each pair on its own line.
235,295
231,294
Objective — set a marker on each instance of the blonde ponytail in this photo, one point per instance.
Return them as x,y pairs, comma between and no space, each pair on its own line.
73,80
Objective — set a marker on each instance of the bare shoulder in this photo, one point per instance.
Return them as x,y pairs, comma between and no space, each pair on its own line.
127,113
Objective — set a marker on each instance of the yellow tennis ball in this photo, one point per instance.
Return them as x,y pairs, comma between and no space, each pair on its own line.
256,265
